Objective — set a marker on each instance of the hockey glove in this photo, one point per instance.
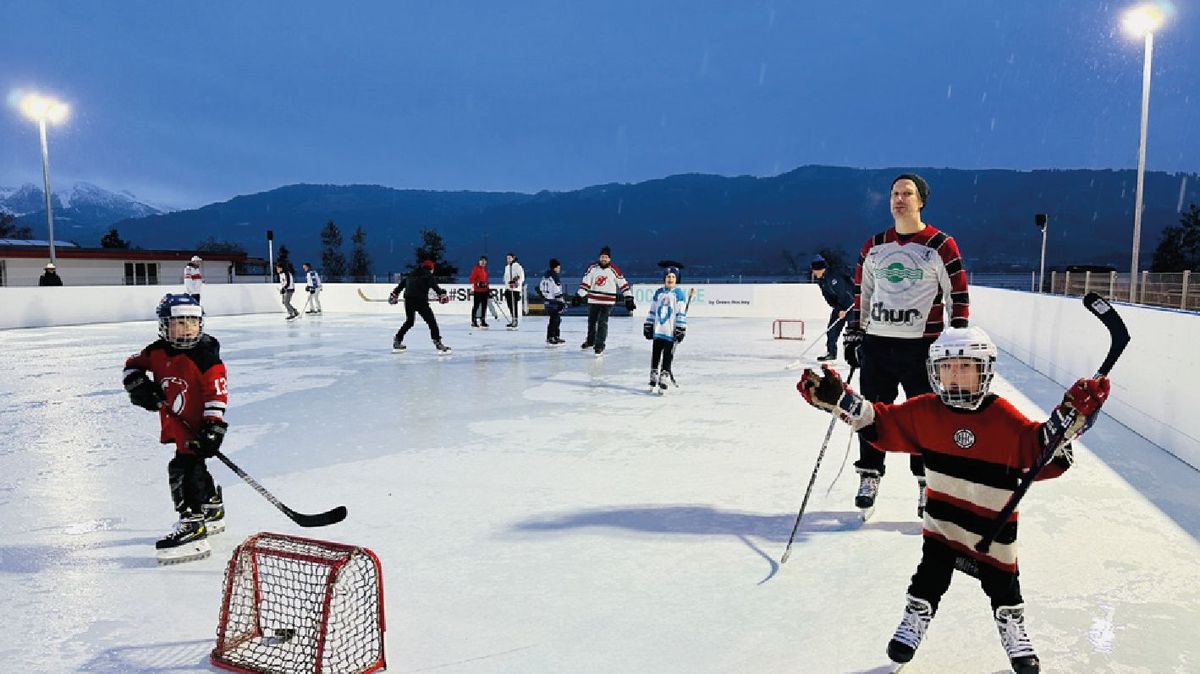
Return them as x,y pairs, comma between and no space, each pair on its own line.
444,298
394,298
1084,398
143,392
648,330
208,440
629,303
852,345
827,391
678,333
576,300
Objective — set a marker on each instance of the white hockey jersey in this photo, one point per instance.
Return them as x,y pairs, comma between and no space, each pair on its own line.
312,279
192,279
668,310
514,276
600,285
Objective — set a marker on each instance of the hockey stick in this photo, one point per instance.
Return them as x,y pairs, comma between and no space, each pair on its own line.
842,467
331,516
812,480
1119,336
368,299
799,362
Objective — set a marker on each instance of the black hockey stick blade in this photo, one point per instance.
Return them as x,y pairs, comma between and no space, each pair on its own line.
1101,309
326,518
670,263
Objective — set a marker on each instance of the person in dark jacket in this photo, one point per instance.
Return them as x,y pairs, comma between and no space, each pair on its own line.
551,292
838,290
415,288
50,276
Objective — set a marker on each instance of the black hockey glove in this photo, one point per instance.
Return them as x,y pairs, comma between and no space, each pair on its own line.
208,440
629,303
143,392
576,300
648,330
678,333
393,298
852,345
308,289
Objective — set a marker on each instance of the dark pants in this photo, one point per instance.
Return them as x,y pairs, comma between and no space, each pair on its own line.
513,299
287,302
191,483
598,323
664,349
479,309
887,364
410,312
937,566
554,311
834,326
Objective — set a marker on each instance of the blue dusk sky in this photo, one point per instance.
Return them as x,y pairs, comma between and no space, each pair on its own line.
185,103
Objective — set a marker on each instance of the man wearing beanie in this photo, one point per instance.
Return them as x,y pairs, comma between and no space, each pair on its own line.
905,278
601,284
838,291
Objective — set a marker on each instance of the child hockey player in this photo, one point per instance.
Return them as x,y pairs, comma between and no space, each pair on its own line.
976,448
416,287
188,390
666,325
551,291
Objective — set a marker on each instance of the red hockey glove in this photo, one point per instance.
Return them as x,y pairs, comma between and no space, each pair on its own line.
1087,395
444,298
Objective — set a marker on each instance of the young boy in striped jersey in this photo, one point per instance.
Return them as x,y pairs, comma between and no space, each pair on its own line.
976,448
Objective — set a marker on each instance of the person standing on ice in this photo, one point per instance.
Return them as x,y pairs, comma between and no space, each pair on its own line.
287,288
181,376
905,277
416,288
479,293
665,326
550,288
838,292
601,284
977,447
312,285
514,288
193,278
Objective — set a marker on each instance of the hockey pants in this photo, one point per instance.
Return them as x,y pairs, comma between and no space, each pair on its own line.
887,364
191,483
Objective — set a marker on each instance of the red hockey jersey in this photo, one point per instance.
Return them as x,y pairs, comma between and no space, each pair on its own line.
192,382
974,461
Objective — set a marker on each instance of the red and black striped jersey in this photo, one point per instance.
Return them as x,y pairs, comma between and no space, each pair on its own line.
193,384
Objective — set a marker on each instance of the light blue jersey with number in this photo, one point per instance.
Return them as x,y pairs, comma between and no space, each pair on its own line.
668,310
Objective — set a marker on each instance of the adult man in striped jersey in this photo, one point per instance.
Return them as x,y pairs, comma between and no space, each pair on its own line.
905,277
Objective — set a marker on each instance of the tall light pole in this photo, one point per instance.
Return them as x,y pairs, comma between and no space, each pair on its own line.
1141,21
42,109
1039,219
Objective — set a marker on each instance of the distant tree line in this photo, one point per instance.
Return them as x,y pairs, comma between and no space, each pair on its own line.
1179,248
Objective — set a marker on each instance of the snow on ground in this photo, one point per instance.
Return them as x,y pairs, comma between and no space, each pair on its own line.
536,510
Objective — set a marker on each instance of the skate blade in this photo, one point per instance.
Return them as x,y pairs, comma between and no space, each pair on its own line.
215,527
189,552
399,350
865,513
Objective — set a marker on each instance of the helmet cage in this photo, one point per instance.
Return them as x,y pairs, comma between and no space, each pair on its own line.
969,343
179,308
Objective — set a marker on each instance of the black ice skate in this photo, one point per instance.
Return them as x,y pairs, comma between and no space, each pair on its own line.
868,489
214,513
586,345
921,497
398,345
1010,620
443,350
917,615
187,542
654,381
663,378
828,356
599,349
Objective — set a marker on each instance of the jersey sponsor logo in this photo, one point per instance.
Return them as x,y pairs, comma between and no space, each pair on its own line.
964,438
897,272
882,314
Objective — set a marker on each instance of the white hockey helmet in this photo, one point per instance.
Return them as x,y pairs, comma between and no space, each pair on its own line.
196,259
972,343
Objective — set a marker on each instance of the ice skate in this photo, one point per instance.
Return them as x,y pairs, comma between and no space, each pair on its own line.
922,499
663,378
904,643
187,542
586,345
398,345
827,357
654,382
599,350
214,513
1010,620
868,489
443,350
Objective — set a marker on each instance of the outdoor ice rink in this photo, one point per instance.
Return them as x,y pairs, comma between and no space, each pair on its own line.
536,510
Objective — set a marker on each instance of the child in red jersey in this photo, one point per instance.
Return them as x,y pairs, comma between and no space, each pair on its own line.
188,390
976,447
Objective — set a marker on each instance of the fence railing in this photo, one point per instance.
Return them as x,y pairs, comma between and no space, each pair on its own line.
1174,290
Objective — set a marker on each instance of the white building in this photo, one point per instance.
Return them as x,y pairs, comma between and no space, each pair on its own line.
22,263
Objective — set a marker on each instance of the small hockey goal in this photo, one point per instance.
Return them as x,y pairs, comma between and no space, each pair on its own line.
787,328
301,605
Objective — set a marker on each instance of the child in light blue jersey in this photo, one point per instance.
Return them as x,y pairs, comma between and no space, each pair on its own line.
666,325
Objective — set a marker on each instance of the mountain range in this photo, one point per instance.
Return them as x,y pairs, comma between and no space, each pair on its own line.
82,215
717,225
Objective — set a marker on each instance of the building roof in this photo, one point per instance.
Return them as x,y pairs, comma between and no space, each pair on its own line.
18,248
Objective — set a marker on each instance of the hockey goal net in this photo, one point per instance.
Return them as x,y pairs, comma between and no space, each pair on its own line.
301,605
787,328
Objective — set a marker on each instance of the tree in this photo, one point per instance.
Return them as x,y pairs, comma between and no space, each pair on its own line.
360,262
10,230
333,263
434,248
113,240
835,258
1179,248
212,245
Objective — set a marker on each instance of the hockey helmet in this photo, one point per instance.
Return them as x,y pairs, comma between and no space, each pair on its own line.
957,383
180,308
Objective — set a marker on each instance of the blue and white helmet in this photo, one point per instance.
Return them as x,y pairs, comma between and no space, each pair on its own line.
176,307
972,343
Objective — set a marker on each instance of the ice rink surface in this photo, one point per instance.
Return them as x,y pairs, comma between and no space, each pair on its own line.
536,510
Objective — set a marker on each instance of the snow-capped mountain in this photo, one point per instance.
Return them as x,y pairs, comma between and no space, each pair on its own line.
82,214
